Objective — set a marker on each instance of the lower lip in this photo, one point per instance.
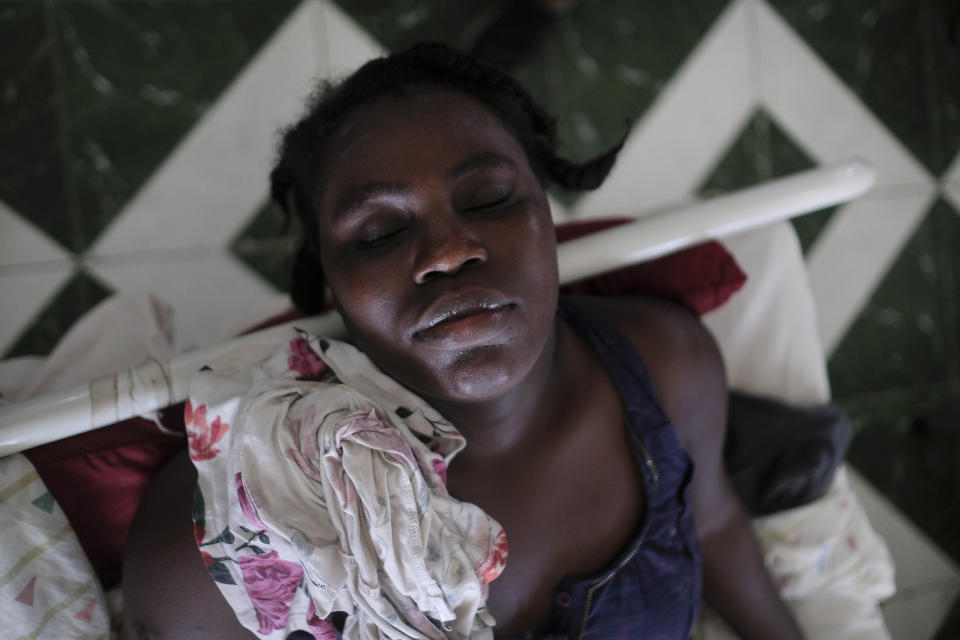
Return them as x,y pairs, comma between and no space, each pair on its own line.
467,331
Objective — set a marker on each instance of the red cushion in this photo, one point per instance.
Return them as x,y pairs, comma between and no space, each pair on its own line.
98,477
700,278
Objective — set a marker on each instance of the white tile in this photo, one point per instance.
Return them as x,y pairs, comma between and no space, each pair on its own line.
23,243
952,174
687,130
918,616
558,210
853,252
918,562
217,177
819,111
210,291
24,294
347,44
951,191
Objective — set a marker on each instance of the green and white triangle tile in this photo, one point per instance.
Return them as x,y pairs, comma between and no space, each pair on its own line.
343,43
136,77
951,183
686,130
907,333
22,243
267,245
763,152
46,326
927,578
206,191
33,268
615,49
813,106
898,375
213,294
900,57
121,82
32,165
215,177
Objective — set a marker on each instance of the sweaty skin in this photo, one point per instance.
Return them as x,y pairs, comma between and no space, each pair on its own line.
437,243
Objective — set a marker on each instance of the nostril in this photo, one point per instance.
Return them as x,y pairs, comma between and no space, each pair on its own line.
450,264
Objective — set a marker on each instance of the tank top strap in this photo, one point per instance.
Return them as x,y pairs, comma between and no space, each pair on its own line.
622,363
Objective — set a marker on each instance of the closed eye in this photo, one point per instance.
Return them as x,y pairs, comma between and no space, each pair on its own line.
492,202
379,238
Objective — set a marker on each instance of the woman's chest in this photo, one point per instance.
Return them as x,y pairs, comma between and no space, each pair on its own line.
567,512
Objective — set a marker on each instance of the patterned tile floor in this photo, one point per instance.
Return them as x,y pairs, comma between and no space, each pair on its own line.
135,139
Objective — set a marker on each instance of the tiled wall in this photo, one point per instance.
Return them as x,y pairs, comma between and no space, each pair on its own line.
135,139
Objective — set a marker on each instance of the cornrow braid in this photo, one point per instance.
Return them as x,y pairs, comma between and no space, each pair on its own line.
296,179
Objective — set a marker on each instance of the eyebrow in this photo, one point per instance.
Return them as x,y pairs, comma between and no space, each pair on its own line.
482,160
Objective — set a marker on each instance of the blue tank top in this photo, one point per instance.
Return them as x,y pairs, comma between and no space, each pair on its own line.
652,591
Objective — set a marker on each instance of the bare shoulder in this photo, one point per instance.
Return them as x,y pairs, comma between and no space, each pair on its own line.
680,354
166,590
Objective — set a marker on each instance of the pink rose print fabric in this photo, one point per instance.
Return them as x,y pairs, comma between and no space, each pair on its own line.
202,436
304,360
322,488
271,584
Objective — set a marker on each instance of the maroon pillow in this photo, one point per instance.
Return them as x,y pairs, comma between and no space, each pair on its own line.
700,278
98,477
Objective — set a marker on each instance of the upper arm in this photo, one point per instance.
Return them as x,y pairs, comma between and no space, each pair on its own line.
166,589
694,396
688,374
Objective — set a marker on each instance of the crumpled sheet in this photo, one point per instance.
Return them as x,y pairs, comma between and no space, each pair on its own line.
321,489
830,565
48,590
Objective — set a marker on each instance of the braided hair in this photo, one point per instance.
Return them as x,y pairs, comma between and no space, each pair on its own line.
295,178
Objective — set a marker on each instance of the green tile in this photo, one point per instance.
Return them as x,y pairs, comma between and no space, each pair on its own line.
136,77
267,244
907,333
950,629
31,163
402,23
809,226
762,152
898,57
907,445
80,294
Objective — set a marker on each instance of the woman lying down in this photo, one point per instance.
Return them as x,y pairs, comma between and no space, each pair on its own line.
372,488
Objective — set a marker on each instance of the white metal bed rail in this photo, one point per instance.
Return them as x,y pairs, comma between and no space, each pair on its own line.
157,384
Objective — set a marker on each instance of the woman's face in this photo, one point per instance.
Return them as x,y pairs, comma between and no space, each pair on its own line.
437,242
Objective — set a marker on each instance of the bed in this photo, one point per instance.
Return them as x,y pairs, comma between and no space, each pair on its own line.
64,504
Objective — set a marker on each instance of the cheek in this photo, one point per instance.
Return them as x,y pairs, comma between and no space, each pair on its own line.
363,302
370,299
536,247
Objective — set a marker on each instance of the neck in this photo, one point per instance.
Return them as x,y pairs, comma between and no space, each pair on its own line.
500,424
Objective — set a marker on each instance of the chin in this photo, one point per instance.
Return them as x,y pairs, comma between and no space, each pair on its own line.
482,373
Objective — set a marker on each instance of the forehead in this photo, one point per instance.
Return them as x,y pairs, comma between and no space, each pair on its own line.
404,138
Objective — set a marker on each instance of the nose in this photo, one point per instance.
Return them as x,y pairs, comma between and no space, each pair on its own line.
449,248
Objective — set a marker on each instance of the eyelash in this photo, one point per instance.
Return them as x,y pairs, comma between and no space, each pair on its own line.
501,201
384,238
381,239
